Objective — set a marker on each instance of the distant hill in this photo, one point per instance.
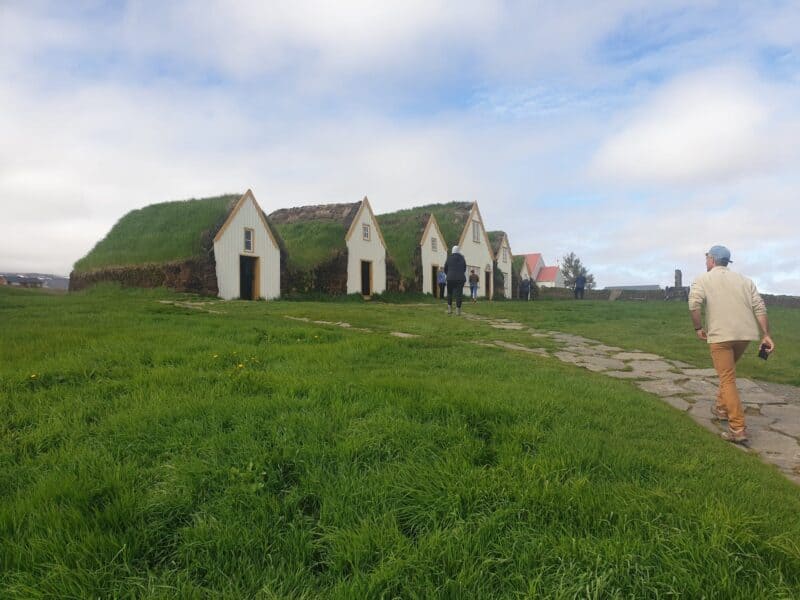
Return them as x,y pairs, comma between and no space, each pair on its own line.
53,282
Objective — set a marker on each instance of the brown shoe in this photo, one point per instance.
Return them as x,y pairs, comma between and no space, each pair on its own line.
719,413
737,436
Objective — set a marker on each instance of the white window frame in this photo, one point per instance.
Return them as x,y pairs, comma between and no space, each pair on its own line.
365,232
434,244
476,232
505,254
252,232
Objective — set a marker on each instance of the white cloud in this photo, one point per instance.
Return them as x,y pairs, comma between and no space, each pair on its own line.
705,127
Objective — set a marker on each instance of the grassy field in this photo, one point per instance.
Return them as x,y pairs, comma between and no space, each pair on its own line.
150,449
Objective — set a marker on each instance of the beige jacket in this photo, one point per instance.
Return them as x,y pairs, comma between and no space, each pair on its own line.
732,303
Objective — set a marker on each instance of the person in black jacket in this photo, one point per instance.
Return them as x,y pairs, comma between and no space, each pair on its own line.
456,269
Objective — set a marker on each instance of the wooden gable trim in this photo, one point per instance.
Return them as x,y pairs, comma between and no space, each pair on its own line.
247,195
468,226
356,222
432,222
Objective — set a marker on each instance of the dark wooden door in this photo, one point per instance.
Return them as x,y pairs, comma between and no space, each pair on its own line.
366,278
247,276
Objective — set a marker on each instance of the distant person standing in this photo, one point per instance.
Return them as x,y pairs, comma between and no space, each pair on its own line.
441,280
734,313
525,289
474,278
580,284
455,268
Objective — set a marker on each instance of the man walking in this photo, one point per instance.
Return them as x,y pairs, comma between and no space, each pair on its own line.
456,269
734,313
473,285
580,284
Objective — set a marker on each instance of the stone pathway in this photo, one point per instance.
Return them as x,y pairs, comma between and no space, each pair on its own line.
772,410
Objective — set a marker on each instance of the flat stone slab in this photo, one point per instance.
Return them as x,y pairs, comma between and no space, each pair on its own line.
699,386
627,375
680,365
568,357
637,356
520,348
677,402
600,363
400,334
745,385
507,325
778,448
699,372
661,387
788,412
752,397
604,348
583,349
649,366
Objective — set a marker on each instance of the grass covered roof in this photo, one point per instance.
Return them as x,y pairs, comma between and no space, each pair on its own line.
312,234
403,229
164,232
496,240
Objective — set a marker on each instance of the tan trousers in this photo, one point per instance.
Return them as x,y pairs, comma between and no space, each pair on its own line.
724,355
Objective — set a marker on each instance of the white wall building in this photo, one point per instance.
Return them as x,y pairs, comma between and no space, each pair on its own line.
247,255
366,253
434,254
477,252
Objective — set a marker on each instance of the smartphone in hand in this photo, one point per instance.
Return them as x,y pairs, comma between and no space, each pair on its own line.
762,352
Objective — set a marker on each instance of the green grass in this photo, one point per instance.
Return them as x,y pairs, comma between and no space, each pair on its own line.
311,243
660,327
153,450
402,231
158,233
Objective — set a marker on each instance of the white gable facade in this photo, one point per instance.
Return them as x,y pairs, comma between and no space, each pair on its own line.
366,254
248,260
434,254
477,252
503,259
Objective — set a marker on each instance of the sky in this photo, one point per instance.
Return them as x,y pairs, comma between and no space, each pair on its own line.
634,133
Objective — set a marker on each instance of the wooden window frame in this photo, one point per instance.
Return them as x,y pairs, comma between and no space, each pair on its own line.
505,254
434,244
252,248
476,232
366,229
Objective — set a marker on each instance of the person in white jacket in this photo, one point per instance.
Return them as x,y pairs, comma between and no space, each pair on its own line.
734,313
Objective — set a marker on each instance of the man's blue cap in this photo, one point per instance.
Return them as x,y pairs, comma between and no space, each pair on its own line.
719,254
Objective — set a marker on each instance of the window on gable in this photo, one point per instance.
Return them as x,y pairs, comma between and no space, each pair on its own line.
505,255
248,240
434,244
365,232
476,232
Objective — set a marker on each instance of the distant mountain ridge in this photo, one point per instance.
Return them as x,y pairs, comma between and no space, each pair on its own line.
50,281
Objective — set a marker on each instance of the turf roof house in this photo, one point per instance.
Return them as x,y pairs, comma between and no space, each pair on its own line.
503,263
462,225
333,248
247,254
415,242
172,244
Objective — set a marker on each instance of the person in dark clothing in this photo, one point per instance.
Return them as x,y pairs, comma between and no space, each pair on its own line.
525,289
580,284
455,267
441,280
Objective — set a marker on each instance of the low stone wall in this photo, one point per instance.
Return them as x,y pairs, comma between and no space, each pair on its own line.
789,301
194,275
